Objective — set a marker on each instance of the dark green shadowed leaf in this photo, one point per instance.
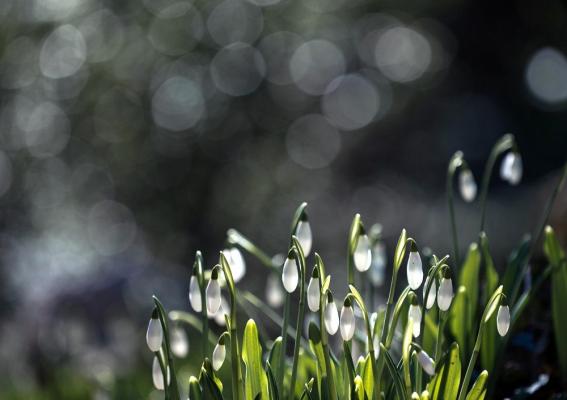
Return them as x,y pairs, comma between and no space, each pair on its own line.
445,384
513,276
194,389
469,279
491,338
460,322
272,385
394,374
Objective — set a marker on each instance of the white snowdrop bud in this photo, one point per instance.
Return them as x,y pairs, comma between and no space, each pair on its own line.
467,185
304,235
414,313
237,264
154,335
314,291
157,375
195,293
414,268
213,292
348,322
331,315
511,168
503,320
445,292
378,265
362,253
432,292
426,362
274,291
219,354
179,342
290,274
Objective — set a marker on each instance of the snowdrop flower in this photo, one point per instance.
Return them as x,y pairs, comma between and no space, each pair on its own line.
179,342
290,273
274,292
157,375
445,292
213,292
219,354
503,319
236,261
431,297
348,322
511,168
426,362
415,314
314,291
223,310
414,268
378,265
304,235
331,315
154,335
362,253
467,185
195,292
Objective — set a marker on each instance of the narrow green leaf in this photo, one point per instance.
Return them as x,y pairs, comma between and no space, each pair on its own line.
349,365
478,389
368,377
490,338
256,381
272,385
395,375
406,351
194,389
400,250
445,385
469,279
358,388
460,322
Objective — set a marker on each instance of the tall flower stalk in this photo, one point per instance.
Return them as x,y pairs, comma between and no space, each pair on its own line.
298,252
198,271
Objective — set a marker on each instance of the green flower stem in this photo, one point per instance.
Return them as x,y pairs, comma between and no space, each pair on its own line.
300,258
438,344
324,337
505,143
455,162
237,380
355,229
281,373
396,315
355,295
433,271
198,264
486,315
235,237
171,391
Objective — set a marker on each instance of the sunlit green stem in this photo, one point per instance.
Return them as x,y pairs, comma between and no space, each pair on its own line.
171,390
505,143
235,237
355,229
199,265
455,162
440,334
301,312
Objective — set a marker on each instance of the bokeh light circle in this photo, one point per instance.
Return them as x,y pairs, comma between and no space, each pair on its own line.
546,76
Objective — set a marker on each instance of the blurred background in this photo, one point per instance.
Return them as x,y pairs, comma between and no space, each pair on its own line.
135,132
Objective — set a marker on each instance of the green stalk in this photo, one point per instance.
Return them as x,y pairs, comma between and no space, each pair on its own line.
355,231
442,320
237,238
237,380
198,264
301,313
505,143
455,162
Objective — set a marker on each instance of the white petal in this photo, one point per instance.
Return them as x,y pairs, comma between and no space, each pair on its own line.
213,294
362,254
313,294
236,262
157,376
426,362
331,318
305,237
414,270
445,294
511,169
154,335
432,292
223,310
195,294
290,275
179,342
415,314
274,292
467,185
503,320
378,264
347,323
219,354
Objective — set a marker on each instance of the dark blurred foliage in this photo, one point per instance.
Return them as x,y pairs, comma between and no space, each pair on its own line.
133,133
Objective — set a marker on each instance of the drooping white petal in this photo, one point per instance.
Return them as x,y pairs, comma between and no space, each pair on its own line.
415,314
157,375
467,185
154,335
511,168
179,342
313,294
290,275
305,237
274,291
331,318
195,294
236,261
378,266
432,293
414,270
213,294
347,323
362,253
219,353
445,294
426,363
503,320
